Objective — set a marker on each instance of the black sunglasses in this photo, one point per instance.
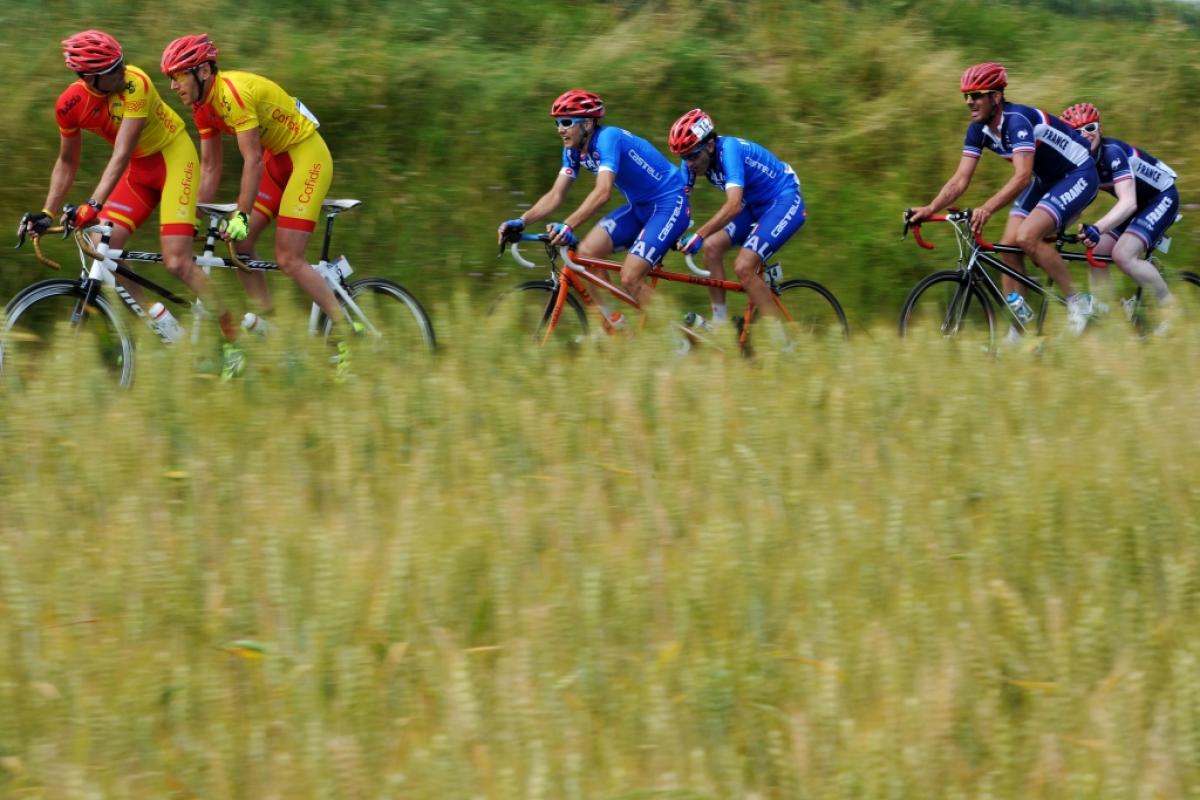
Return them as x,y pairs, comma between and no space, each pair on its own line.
692,156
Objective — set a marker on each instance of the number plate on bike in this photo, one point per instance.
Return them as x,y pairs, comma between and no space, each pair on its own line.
341,268
773,273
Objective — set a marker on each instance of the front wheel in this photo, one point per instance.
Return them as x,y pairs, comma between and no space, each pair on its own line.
38,333
390,316
949,305
525,311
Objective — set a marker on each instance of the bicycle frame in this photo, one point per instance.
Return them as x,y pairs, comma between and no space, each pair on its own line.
103,267
574,274
975,253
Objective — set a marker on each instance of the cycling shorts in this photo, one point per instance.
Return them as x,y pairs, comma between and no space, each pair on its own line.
648,229
765,230
1065,199
1151,221
166,179
295,182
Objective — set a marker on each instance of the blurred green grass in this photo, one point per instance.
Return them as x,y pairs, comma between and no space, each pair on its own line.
880,568
867,569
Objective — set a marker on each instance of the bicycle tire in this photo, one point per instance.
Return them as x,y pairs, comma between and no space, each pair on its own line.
529,315
32,316
398,328
937,307
810,314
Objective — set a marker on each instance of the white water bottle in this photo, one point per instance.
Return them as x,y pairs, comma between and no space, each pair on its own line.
694,320
253,323
1020,307
164,323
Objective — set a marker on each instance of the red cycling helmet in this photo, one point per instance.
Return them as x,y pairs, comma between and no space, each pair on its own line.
1080,114
578,103
91,52
986,77
690,131
188,52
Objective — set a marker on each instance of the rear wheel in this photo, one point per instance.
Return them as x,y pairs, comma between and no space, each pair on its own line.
949,306
812,310
38,334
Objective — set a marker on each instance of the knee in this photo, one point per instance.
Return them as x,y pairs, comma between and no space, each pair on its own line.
179,267
746,268
291,264
1027,239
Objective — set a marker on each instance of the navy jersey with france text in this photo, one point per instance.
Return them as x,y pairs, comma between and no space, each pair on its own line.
642,173
758,171
1117,161
1057,148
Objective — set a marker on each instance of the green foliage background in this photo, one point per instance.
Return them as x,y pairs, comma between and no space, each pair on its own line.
861,569
436,110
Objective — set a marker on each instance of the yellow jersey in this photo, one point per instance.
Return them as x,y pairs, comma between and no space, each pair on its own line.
80,108
242,101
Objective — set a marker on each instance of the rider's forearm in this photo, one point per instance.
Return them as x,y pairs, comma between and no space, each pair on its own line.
949,193
1009,192
544,207
719,220
210,181
1116,215
251,174
60,181
590,205
112,173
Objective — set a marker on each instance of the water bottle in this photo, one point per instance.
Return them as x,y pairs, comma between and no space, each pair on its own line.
1020,307
694,320
164,323
253,323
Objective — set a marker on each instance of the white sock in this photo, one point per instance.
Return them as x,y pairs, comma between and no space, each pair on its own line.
719,312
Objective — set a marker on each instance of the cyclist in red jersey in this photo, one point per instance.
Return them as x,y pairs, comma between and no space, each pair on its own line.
153,162
286,166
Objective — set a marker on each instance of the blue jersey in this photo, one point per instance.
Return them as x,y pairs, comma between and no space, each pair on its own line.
1057,148
1117,161
760,174
643,174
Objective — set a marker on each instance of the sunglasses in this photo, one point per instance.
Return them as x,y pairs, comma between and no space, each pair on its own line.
568,122
692,156
975,95
1091,127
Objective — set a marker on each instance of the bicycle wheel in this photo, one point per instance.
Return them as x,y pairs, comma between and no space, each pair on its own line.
948,305
394,320
813,309
524,311
38,333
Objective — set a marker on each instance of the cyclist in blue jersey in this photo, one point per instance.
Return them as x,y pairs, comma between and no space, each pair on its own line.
763,206
656,211
1147,205
1054,179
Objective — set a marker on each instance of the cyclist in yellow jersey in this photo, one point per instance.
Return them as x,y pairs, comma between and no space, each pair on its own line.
286,166
153,161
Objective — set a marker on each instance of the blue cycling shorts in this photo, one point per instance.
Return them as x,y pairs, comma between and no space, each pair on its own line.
1065,199
1151,221
767,228
648,230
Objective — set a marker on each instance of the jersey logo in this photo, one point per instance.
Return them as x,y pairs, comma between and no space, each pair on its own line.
1115,162
570,173
1021,134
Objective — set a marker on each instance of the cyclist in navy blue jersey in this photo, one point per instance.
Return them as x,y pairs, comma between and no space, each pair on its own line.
763,206
657,209
1054,179
1147,203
